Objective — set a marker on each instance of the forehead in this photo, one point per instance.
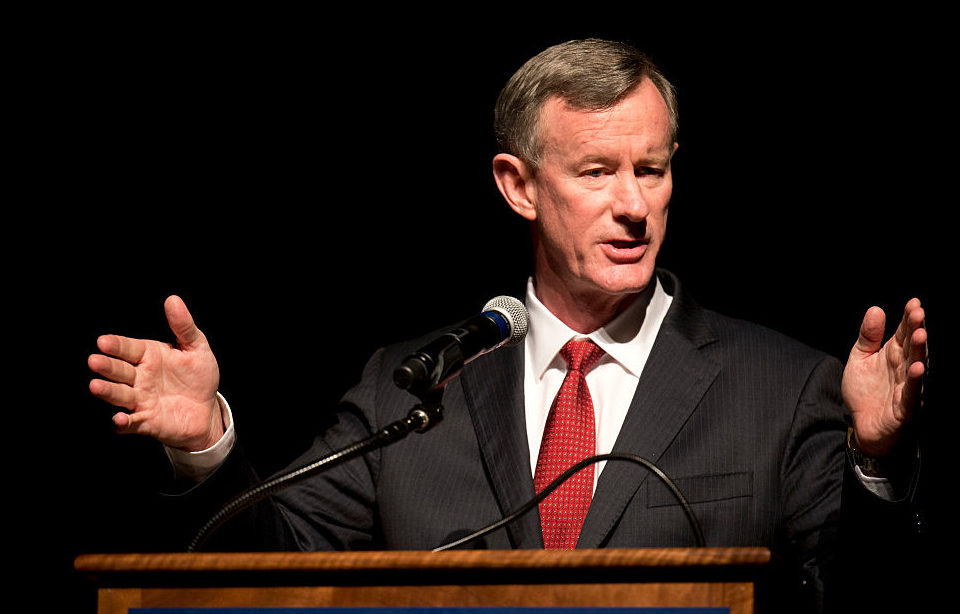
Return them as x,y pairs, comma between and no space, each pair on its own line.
640,121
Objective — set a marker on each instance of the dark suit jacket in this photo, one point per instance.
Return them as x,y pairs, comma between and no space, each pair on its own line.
748,423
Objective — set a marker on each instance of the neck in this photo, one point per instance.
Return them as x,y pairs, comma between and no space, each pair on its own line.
583,312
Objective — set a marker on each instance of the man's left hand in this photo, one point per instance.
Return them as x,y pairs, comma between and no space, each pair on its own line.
882,382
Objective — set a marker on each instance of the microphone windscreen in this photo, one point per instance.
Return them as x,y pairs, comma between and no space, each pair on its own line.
515,312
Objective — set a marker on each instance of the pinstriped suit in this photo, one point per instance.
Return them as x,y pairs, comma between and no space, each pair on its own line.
747,422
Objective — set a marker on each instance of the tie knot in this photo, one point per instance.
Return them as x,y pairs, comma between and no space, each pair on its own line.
581,354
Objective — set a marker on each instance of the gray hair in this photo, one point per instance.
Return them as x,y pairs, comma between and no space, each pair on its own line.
590,74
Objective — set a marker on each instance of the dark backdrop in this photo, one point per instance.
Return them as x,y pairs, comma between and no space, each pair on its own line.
315,189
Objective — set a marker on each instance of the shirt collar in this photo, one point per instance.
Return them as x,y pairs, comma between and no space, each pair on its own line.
627,339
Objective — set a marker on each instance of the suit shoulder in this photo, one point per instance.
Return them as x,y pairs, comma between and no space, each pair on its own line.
752,339
703,326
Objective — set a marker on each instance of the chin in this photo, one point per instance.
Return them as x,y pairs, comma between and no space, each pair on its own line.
628,282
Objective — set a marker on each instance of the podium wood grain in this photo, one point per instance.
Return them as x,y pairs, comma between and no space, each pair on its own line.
476,578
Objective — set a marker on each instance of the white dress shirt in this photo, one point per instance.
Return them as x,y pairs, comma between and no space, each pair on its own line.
626,341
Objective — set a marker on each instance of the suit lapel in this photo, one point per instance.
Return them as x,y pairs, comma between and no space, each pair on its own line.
675,378
493,389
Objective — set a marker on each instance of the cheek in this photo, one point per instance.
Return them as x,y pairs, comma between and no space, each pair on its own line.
658,213
661,222
560,219
564,237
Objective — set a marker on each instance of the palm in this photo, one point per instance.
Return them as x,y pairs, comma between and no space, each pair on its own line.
881,383
173,390
169,391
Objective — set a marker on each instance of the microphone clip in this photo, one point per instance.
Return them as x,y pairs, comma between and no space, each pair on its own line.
421,418
429,412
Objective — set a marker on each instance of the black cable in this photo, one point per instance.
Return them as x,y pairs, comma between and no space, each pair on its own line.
695,524
420,419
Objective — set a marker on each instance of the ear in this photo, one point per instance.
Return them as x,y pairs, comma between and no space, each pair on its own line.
515,181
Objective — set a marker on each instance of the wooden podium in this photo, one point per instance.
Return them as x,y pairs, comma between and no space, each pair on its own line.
635,578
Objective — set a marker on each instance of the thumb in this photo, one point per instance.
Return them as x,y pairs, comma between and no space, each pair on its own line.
181,323
871,332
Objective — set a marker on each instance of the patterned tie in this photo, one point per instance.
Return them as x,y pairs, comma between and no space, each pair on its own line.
568,438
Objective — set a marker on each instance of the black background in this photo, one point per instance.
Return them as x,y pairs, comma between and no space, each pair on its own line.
316,185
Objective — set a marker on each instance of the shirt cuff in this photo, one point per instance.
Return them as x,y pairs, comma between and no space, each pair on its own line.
881,487
198,466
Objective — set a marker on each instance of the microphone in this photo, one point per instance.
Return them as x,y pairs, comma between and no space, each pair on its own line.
503,322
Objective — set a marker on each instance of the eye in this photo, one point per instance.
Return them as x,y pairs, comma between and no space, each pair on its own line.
595,173
649,171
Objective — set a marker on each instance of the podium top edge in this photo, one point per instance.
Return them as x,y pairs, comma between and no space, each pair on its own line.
611,558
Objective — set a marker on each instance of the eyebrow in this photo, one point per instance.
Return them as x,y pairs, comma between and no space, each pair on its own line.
650,160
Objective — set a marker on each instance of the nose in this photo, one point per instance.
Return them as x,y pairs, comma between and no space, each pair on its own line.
630,201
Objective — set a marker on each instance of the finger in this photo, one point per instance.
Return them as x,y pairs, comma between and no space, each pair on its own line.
916,371
124,348
915,348
181,322
121,420
912,319
871,331
127,423
114,394
112,369
912,393
915,354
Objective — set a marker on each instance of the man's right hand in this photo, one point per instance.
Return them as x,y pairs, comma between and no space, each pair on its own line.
168,390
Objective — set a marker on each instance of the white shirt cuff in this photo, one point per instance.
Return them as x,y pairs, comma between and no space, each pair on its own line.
881,487
200,465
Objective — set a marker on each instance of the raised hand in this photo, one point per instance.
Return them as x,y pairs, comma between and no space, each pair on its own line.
882,381
169,391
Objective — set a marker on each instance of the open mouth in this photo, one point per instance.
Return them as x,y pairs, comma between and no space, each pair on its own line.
626,244
625,251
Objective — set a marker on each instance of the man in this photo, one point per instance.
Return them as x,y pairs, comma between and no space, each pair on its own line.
750,424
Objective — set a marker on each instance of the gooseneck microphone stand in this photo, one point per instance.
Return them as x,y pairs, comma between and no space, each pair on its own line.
421,418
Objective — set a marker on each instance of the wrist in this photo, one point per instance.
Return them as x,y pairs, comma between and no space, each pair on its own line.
870,465
217,424
901,458
213,433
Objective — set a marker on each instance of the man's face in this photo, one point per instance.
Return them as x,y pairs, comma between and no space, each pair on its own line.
601,195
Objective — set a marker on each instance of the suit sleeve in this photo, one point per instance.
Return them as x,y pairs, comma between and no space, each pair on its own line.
854,547
336,509
332,510
812,480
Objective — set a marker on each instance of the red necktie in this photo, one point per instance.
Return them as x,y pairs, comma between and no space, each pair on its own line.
569,437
